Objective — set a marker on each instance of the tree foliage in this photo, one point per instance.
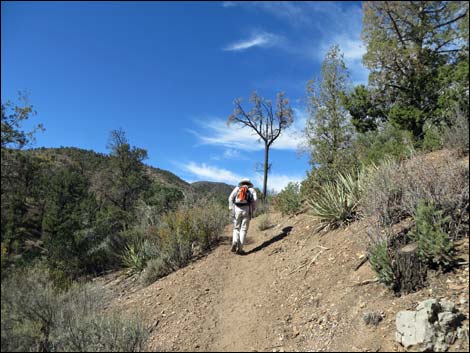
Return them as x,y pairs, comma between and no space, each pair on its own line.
409,43
328,128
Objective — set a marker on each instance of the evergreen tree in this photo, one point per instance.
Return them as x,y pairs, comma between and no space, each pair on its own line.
125,180
408,44
68,224
328,128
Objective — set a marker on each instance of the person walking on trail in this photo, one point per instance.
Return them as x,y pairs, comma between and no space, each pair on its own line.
242,202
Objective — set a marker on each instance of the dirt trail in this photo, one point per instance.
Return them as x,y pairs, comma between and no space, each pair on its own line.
276,298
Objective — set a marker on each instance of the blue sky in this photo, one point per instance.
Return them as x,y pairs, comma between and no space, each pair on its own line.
168,73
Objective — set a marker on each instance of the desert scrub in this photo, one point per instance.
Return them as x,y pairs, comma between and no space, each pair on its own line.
434,244
288,201
156,268
381,261
137,253
264,222
335,203
392,190
183,234
36,316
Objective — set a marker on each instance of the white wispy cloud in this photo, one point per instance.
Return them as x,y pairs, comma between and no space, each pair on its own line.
257,39
318,25
277,182
216,132
229,3
206,172
203,171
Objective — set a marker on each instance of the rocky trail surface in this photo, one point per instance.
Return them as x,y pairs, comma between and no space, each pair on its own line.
294,290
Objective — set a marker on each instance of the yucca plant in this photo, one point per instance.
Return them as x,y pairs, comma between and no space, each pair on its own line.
137,254
381,263
335,203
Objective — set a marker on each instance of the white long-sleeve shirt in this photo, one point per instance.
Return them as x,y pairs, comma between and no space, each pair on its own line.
231,200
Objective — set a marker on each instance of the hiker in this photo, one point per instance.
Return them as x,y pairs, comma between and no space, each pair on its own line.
242,202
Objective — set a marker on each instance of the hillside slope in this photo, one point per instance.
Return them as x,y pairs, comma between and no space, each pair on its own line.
91,161
293,291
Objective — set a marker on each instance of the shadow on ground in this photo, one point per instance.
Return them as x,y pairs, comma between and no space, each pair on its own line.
285,232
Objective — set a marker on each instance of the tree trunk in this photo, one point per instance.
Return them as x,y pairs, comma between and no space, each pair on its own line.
410,271
266,167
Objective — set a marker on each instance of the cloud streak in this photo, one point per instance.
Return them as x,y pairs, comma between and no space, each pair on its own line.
217,133
317,25
203,171
257,39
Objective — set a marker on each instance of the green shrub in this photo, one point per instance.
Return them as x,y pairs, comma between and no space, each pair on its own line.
182,234
156,269
386,142
432,140
434,244
381,262
38,317
335,203
457,135
288,201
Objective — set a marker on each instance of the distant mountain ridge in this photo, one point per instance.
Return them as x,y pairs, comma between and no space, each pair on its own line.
90,160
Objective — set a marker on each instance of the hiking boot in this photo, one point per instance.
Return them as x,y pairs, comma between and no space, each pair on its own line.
233,248
241,252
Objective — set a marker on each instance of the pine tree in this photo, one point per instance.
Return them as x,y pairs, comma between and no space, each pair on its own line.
328,128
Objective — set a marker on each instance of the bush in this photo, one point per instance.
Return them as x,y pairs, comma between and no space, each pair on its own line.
264,222
381,262
262,207
382,192
38,317
182,234
393,190
138,253
434,244
288,201
432,140
386,142
156,269
457,135
335,203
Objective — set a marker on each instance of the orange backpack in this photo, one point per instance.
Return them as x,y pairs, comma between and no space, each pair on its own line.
243,197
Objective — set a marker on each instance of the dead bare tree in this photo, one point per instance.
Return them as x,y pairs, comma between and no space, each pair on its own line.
265,122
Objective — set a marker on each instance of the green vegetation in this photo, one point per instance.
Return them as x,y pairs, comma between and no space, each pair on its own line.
37,316
434,244
381,262
335,203
328,130
289,201
79,213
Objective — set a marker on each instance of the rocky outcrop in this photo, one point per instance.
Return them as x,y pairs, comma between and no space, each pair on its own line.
432,327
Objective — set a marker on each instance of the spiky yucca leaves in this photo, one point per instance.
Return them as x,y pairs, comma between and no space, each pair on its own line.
335,203
137,254
381,262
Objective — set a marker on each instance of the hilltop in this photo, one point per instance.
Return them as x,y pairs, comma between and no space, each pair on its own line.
90,161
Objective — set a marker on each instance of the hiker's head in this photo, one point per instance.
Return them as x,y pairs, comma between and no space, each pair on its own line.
245,182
